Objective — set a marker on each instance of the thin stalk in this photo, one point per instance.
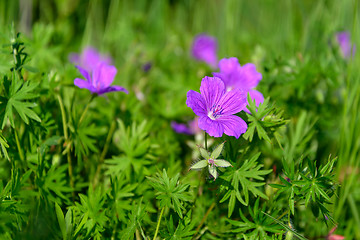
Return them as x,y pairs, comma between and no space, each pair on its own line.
103,153
158,223
205,140
18,146
204,218
66,136
86,108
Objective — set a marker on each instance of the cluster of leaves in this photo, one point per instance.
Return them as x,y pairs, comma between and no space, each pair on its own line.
74,169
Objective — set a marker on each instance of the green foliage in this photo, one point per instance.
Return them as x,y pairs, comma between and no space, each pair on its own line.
170,192
244,177
259,227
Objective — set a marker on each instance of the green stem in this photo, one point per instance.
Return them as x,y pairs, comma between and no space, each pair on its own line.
66,136
103,153
86,108
205,140
158,224
204,218
18,146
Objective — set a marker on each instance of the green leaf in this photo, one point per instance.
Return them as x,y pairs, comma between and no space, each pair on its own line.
216,153
204,153
200,164
222,163
61,220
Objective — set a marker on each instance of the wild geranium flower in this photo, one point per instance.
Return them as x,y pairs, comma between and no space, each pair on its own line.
211,160
215,108
344,41
89,59
204,49
99,79
190,128
244,77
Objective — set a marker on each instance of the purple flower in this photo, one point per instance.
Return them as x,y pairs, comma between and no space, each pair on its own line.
89,59
243,77
215,107
99,79
204,49
190,129
344,41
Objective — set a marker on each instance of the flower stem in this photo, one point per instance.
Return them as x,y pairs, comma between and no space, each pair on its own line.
205,140
103,153
66,136
21,155
86,108
158,223
204,218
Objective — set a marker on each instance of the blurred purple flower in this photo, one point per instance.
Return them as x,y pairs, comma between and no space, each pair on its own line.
99,79
344,41
190,128
216,108
204,49
146,67
243,77
89,59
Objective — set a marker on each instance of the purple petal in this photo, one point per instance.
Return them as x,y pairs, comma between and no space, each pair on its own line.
90,58
103,76
213,127
249,76
84,72
228,65
81,83
204,49
212,89
233,125
181,128
196,102
344,41
111,89
233,102
74,58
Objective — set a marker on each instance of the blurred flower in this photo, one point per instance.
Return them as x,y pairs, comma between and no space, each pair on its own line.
211,160
332,236
204,49
215,108
191,128
99,79
146,67
89,59
243,77
344,41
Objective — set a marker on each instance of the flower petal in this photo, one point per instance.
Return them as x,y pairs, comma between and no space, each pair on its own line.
81,83
103,76
112,89
233,125
204,49
233,102
196,102
212,127
212,89
249,76
84,72
181,128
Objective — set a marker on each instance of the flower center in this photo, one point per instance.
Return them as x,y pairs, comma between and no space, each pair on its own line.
215,112
211,161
